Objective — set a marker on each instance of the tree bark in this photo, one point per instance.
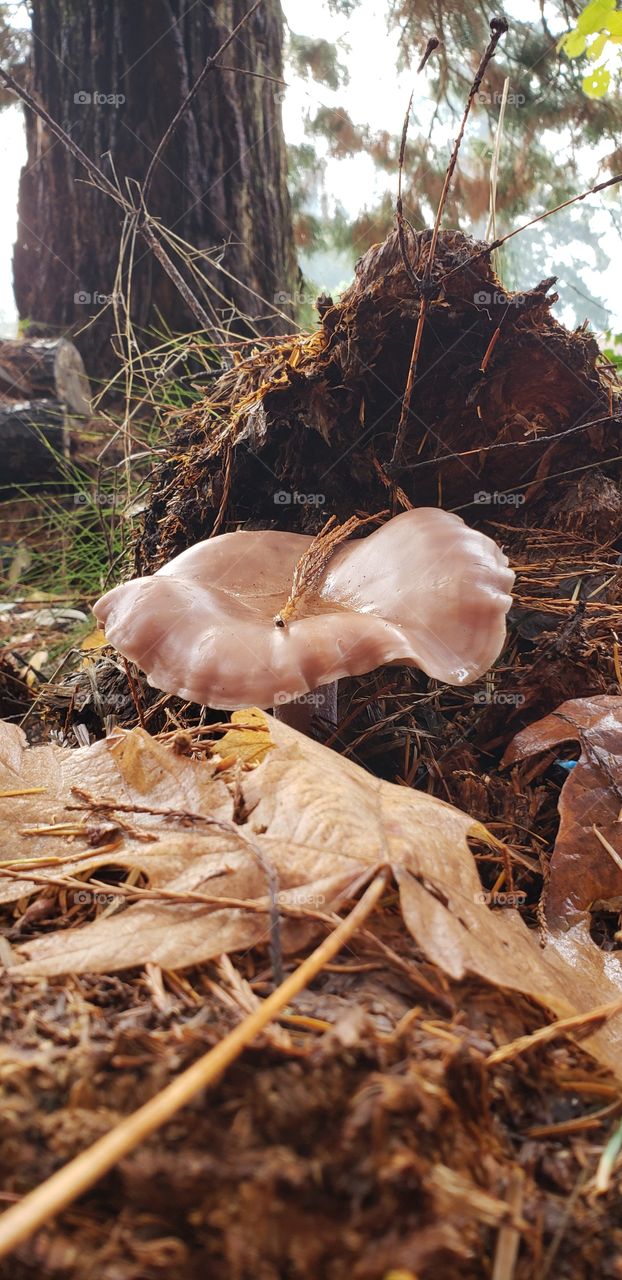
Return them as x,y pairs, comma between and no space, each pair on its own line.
114,72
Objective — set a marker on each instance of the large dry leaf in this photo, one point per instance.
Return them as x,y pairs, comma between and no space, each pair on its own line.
37,793
583,871
320,824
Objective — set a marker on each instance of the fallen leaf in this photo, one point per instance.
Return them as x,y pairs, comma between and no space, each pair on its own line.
320,825
583,870
95,639
249,740
37,791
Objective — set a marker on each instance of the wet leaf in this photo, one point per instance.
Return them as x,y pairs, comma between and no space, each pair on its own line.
582,869
320,825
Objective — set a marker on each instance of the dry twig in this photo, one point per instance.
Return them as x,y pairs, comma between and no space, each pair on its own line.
42,1204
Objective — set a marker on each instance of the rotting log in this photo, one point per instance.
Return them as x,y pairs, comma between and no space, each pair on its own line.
34,439
46,367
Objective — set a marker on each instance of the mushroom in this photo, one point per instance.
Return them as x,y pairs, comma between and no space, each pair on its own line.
260,618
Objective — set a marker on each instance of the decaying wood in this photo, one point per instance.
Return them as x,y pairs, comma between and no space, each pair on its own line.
34,439
45,367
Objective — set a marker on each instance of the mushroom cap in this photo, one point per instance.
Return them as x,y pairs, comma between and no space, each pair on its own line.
424,589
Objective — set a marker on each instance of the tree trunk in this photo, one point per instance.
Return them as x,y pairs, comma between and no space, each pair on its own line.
114,72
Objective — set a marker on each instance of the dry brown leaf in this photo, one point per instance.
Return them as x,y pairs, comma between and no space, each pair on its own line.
322,824
583,871
132,769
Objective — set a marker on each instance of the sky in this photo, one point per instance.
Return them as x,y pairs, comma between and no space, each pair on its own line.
375,95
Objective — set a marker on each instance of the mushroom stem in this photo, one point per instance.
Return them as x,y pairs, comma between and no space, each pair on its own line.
320,702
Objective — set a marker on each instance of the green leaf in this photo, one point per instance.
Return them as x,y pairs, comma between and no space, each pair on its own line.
594,16
595,84
573,44
613,23
597,47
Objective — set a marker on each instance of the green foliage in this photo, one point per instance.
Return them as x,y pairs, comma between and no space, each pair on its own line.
598,26
613,354
14,45
548,122
317,59
334,124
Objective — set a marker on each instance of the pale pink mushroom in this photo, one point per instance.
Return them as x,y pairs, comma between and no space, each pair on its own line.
423,589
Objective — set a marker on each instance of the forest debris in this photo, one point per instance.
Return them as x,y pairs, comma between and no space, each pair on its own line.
585,866
74,1178
607,1161
322,825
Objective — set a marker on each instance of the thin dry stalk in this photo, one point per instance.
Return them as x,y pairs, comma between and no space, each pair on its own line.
75,1178
491,228
586,1023
508,1239
498,28
496,244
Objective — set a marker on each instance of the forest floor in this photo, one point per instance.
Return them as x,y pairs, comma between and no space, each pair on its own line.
375,1131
